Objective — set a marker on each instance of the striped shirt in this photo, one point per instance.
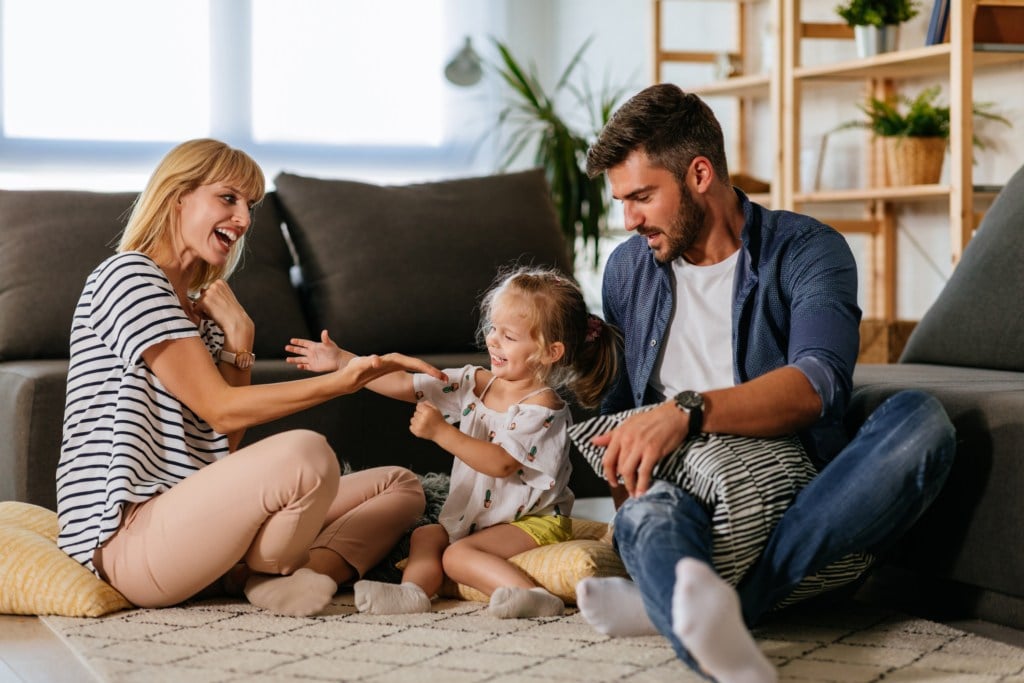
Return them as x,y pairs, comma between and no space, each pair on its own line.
126,437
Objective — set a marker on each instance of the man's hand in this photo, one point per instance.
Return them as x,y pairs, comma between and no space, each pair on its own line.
639,443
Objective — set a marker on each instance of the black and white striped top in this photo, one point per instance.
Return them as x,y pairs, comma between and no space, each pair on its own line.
126,438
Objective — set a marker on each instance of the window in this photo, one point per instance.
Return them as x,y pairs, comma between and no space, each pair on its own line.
109,85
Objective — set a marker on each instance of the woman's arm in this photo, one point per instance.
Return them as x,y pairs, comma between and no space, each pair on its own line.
218,303
327,356
185,368
484,457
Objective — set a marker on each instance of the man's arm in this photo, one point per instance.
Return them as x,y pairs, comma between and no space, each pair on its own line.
777,403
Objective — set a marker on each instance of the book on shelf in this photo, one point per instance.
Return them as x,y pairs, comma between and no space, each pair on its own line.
937,23
997,28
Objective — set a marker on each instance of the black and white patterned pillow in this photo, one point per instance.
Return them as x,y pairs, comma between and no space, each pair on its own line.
746,483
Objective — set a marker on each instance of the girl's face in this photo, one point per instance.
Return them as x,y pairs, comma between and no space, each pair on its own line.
509,342
212,218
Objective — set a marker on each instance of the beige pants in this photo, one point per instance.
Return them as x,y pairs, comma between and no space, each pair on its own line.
266,505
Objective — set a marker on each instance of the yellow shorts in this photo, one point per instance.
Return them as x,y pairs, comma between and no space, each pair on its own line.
546,530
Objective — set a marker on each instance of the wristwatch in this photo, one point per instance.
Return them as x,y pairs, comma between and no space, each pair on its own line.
243,360
691,403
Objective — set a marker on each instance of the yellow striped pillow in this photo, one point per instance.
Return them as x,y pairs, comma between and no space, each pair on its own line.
37,577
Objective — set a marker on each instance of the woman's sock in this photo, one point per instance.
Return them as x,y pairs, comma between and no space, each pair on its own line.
508,602
377,597
301,594
614,607
706,618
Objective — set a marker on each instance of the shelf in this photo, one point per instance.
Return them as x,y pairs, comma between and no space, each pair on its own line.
755,85
922,61
907,193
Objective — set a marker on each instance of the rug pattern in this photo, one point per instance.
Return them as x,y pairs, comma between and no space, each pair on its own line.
222,641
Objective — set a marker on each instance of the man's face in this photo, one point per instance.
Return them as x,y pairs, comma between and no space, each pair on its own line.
655,206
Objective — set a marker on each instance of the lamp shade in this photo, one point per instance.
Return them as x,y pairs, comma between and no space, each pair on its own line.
465,68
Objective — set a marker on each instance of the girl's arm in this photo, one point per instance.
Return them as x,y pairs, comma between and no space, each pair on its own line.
484,457
326,356
184,367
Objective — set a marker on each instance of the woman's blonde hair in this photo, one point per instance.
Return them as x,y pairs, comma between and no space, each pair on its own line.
558,313
186,167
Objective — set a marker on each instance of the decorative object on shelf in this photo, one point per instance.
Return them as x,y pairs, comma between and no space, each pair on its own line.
581,202
876,23
915,140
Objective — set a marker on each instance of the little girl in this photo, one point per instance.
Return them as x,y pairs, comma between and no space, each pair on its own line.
509,484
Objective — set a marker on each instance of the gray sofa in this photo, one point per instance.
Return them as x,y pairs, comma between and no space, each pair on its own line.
965,557
395,268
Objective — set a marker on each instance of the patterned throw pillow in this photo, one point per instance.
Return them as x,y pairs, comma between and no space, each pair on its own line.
746,483
37,577
558,567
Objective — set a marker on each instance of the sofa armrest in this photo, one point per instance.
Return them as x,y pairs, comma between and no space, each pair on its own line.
31,415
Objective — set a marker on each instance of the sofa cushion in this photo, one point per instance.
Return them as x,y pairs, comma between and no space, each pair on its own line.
434,248
42,275
50,241
972,323
262,283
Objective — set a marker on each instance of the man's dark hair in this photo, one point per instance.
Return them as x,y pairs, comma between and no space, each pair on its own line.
672,127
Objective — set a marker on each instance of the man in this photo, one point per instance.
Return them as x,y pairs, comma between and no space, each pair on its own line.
736,320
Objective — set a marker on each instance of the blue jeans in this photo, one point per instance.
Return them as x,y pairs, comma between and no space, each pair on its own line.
866,498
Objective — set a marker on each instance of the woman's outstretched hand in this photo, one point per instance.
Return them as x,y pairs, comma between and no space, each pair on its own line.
361,370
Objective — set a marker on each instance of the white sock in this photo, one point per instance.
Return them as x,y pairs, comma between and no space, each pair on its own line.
378,597
614,607
508,602
706,618
301,594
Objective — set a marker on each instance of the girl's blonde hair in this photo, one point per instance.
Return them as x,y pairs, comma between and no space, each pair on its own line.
558,313
186,167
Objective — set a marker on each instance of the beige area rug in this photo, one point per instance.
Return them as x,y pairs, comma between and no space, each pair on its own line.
457,643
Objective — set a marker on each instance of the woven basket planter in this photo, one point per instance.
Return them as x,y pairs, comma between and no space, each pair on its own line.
914,161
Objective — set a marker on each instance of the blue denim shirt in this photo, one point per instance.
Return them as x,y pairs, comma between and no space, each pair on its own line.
794,303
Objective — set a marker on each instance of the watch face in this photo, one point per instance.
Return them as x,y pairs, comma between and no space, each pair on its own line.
688,400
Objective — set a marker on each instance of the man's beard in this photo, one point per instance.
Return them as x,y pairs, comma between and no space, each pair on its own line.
684,229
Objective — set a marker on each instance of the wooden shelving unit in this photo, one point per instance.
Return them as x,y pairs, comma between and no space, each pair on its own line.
954,62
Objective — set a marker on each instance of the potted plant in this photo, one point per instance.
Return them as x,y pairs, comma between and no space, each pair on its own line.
915,133
532,118
875,22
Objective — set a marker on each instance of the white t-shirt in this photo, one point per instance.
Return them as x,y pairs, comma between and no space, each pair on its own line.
535,435
126,438
697,353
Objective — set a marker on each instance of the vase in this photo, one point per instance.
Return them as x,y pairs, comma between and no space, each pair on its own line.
874,40
914,161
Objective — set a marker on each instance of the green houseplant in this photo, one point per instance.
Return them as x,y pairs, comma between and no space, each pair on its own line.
531,118
877,12
915,132
876,22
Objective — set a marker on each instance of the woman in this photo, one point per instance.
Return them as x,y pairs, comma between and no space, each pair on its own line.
159,396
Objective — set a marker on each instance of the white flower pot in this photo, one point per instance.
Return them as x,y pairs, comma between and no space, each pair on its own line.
874,40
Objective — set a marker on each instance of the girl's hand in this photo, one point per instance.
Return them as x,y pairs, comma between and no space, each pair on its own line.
218,303
361,370
322,356
427,421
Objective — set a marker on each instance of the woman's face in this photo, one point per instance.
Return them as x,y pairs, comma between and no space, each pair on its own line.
211,219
